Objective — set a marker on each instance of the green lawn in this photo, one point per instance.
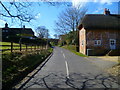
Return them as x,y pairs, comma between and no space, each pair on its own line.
72,48
8,43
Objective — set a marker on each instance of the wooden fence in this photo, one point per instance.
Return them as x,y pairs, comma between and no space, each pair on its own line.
22,47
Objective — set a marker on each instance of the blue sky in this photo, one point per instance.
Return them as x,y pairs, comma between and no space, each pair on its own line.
46,14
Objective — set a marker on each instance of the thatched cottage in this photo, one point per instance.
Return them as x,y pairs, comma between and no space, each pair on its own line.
99,34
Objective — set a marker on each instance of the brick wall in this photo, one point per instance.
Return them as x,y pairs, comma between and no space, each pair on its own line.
104,36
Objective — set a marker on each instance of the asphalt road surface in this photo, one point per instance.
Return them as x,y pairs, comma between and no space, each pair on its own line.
67,70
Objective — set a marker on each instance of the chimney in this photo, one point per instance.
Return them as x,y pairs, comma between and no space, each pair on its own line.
24,26
6,25
106,11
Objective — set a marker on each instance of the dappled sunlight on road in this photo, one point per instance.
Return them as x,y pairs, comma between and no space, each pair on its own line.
76,81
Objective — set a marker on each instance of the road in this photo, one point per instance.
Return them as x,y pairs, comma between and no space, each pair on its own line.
67,70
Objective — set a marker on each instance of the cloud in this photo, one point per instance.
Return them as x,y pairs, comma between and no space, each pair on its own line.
108,2
76,3
37,16
98,10
2,23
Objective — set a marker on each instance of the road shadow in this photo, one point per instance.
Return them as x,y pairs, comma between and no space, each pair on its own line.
76,81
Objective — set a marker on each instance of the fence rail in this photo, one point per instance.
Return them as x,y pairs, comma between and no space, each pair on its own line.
21,47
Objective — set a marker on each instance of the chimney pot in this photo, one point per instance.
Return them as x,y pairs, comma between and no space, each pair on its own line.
23,26
106,11
6,25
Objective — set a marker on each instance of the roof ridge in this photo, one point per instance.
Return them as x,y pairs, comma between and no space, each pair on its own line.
102,15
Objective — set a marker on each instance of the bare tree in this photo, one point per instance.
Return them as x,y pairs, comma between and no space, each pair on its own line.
17,10
22,10
42,32
69,19
67,24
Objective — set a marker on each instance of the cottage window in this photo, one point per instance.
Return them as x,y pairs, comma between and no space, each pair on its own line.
4,30
97,42
82,42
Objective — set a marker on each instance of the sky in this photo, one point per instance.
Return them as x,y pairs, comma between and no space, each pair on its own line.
46,15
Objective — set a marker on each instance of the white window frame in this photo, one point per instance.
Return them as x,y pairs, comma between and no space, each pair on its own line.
98,42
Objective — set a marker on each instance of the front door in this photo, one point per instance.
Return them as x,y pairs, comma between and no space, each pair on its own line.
112,43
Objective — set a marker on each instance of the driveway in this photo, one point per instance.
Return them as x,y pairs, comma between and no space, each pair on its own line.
67,70
104,62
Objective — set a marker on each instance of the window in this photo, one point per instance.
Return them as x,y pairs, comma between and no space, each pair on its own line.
4,30
82,42
97,42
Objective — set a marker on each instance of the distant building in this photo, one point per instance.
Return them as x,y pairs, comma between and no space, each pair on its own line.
99,34
23,32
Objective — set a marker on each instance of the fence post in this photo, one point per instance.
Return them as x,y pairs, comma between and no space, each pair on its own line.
38,47
26,47
20,46
34,47
11,46
31,47
42,47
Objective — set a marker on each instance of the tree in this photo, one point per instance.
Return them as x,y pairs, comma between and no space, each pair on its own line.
68,22
69,19
22,10
17,10
42,32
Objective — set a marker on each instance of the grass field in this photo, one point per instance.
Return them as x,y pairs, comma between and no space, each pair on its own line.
72,48
9,47
7,43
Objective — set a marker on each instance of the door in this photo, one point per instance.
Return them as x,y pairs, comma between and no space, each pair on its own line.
112,43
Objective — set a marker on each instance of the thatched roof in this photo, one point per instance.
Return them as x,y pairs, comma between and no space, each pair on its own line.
101,21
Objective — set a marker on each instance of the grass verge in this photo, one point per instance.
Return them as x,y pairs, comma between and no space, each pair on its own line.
15,66
72,48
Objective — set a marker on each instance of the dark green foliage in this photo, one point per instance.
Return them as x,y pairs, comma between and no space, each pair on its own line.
70,39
